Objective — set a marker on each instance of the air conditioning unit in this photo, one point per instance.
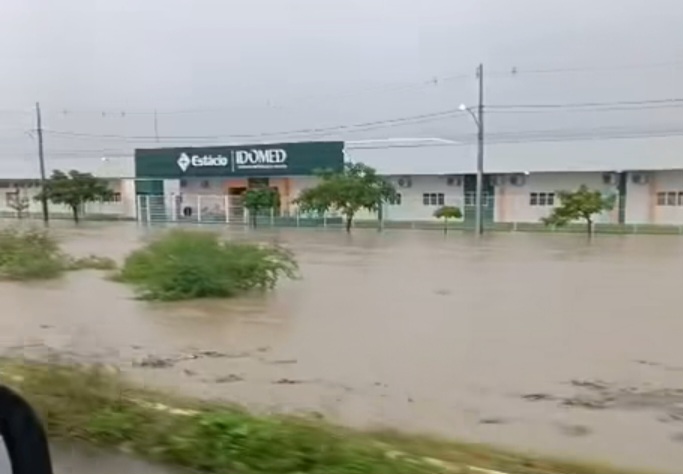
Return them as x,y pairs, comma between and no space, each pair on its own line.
609,178
454,180
639,178
405,182
517,179
497,180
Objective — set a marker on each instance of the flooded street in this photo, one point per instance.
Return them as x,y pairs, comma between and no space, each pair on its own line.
72,459
542,343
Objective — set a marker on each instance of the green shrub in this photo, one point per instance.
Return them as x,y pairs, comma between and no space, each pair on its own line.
186,265
33,254
29,254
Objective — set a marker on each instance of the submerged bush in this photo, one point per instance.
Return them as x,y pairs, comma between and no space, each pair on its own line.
29,254
33,254
185,265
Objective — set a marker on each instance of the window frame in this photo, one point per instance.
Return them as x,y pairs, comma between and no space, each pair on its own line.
433,199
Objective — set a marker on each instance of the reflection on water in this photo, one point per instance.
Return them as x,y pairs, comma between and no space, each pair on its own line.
497,340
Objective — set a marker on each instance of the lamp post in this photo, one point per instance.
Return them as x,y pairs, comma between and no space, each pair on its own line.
479,121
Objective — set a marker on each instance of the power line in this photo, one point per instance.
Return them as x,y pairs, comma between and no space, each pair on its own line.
422,118
588,104
515,71
385,88
513,137
588,110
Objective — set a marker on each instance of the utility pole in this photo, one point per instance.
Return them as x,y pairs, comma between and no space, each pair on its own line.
41,159
479,221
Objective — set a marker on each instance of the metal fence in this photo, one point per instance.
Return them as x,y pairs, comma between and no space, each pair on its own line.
229,210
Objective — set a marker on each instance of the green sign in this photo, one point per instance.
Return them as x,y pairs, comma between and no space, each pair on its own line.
280,159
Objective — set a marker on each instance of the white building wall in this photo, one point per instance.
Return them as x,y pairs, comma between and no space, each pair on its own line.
640,199
412,207
667,197
513,203
297,185
123,206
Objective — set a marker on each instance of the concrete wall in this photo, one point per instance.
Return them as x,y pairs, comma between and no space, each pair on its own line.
122,205
666,197
645,203
412,205
514,203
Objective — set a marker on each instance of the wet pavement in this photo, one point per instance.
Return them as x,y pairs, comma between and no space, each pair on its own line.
537,342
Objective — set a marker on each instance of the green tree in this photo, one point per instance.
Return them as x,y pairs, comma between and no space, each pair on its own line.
580,204
447,212
74,189
356,187
260,199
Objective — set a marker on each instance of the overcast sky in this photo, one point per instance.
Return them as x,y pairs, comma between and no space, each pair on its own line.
224,69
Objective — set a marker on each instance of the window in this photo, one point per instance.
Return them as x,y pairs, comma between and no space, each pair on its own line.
670,198
471,199
115,197
398,199
433,199
206,184
542,199
183,183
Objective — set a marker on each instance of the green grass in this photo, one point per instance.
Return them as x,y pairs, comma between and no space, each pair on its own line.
99,407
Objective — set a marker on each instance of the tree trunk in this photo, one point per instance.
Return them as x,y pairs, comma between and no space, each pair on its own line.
445,226
589,224
74,211
349,221
254,217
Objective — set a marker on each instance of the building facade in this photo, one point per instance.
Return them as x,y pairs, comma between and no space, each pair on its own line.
193,183
206,185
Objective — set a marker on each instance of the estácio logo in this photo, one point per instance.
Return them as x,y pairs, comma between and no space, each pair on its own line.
197,161
207,160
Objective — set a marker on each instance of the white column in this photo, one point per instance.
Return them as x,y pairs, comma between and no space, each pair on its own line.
227,208
174,207
199,207
148,209
138,208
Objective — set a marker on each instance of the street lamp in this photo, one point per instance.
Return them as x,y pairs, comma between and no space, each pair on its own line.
478,120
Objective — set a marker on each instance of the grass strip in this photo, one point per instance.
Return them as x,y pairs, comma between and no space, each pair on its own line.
98,406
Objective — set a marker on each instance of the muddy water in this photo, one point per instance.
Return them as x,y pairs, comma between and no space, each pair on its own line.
537,342
76,459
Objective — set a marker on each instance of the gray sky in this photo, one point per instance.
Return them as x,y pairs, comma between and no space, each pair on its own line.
223,69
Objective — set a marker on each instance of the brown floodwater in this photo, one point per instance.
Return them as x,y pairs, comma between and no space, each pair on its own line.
543,343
